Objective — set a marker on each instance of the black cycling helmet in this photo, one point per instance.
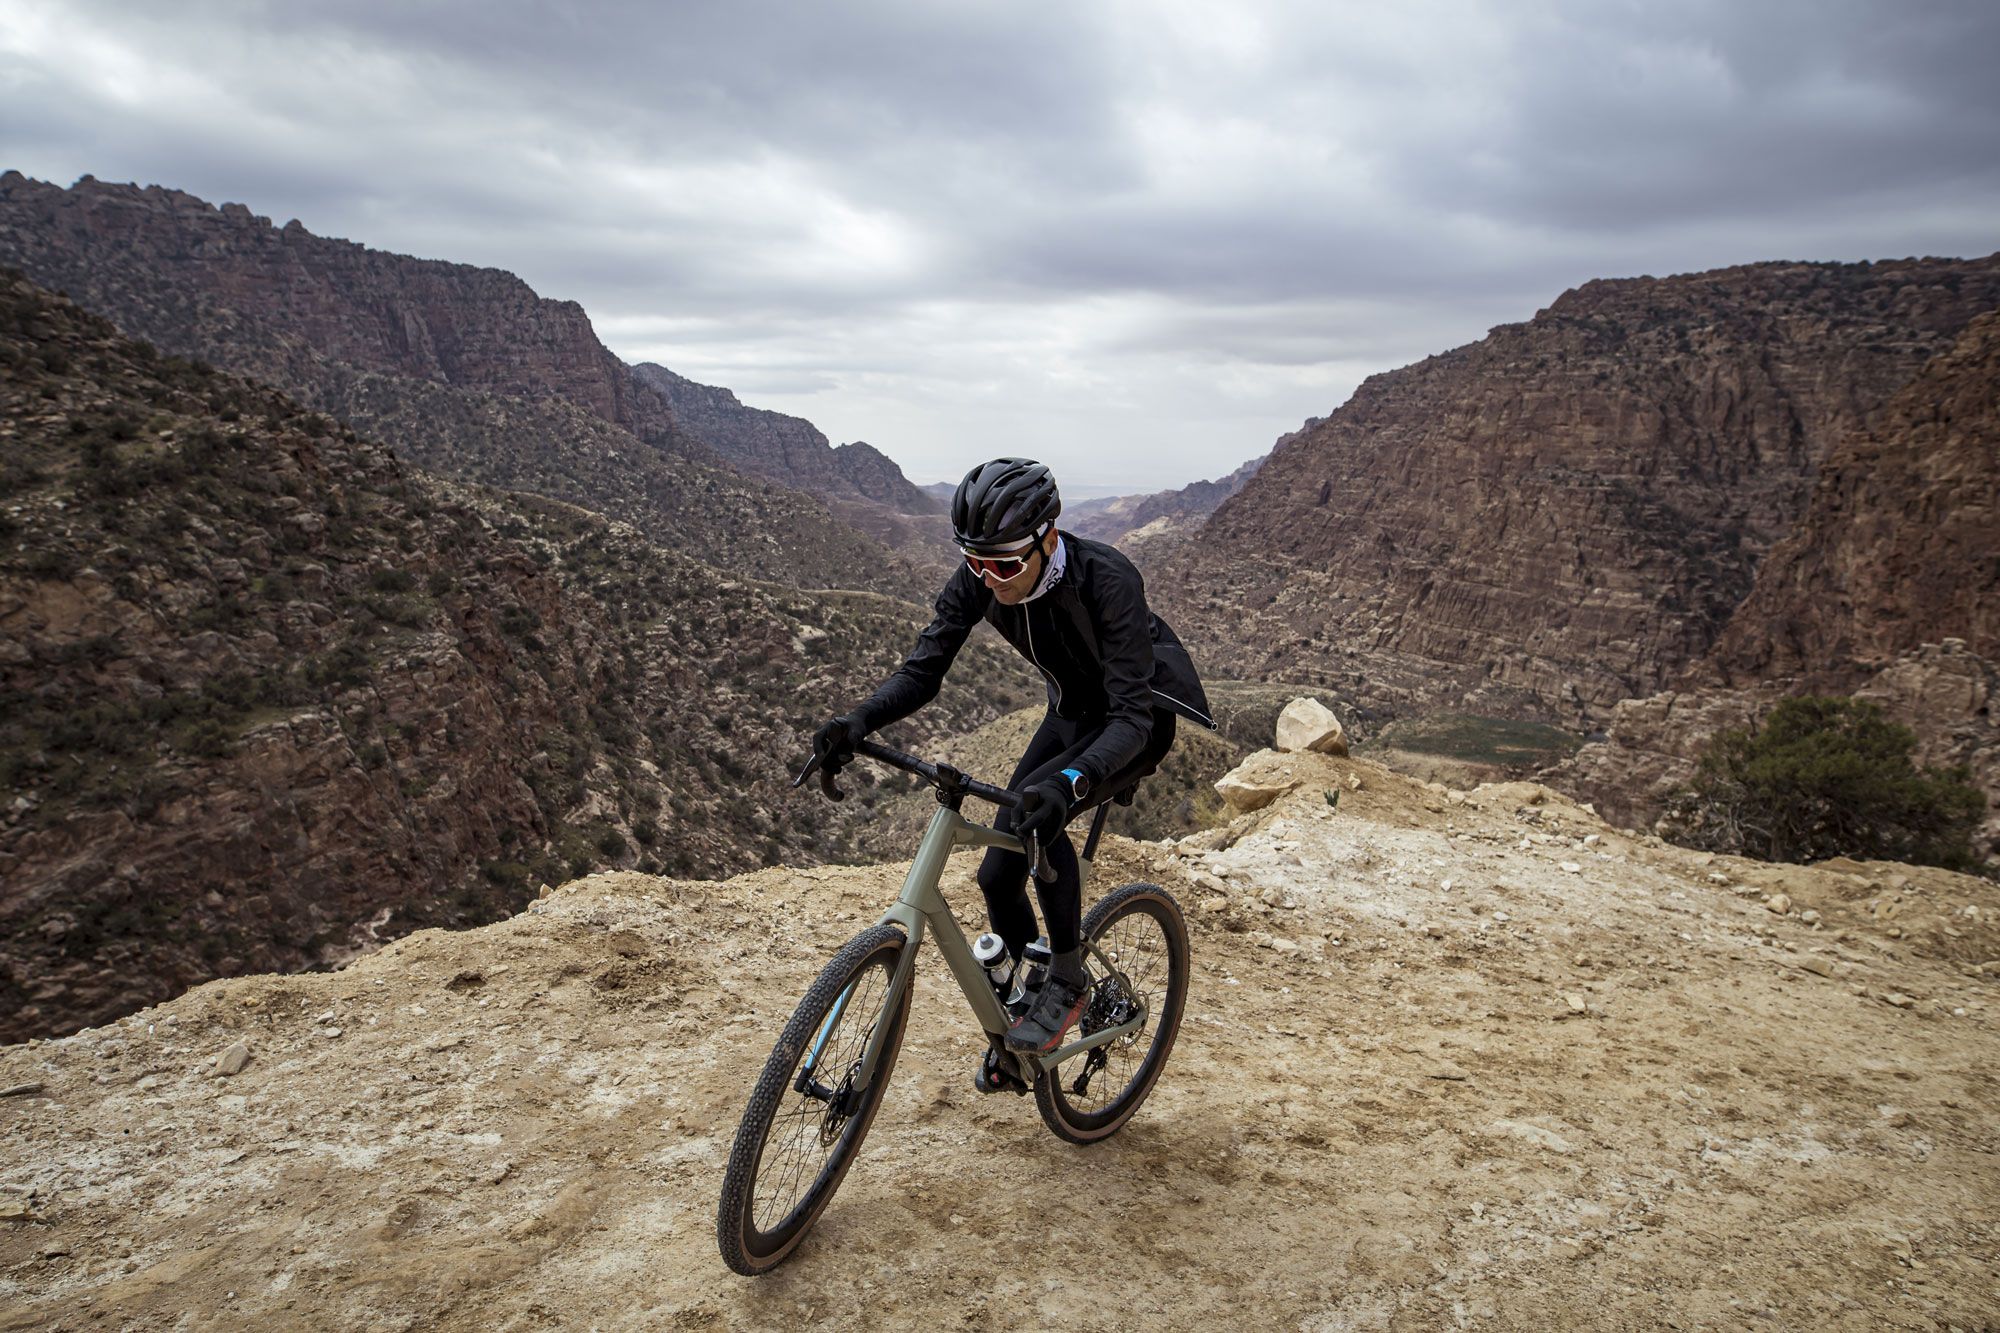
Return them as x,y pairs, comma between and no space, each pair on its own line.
1003,503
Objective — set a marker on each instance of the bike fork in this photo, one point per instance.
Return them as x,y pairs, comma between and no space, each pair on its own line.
805,1082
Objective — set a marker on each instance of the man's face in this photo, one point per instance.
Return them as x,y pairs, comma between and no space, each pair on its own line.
1014,589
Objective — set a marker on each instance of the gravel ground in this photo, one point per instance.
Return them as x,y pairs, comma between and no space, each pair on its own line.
1450,1060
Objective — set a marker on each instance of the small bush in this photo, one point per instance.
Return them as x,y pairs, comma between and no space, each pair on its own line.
1826,777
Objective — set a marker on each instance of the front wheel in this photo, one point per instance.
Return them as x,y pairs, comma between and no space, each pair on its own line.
808,1113
1141,933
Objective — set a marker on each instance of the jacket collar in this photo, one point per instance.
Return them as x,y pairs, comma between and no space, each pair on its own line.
1053,574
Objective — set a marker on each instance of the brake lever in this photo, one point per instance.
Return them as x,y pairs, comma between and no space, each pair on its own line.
815,765
1038,864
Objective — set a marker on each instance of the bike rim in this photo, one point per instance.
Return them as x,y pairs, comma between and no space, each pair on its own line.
808,1141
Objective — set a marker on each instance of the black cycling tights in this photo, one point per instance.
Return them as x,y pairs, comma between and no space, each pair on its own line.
1003,875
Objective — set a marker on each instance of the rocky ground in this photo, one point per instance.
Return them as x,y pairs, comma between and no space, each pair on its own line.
1451,1060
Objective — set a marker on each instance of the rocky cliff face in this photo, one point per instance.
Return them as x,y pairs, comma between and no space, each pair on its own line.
1900,544
1886,588
186,273
463,370
1567,513
784,448
268,694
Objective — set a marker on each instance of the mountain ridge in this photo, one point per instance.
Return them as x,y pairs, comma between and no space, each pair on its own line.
785,448
273,694
465,370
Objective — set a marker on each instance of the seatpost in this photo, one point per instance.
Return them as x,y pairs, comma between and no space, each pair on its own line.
1096,828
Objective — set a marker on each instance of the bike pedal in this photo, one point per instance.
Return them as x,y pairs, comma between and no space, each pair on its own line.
992,1078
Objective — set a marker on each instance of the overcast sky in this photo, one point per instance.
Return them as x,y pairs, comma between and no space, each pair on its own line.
1138,240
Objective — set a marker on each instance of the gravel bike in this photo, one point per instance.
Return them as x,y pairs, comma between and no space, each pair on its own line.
825,1079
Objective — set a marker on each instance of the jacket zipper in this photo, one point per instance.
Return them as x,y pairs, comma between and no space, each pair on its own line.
1028,623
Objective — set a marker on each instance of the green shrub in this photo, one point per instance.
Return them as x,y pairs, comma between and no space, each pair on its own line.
1826,777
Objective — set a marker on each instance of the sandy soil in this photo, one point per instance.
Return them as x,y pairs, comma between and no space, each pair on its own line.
1450,1061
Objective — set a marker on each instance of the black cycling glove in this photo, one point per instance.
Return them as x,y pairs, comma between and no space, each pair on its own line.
833,743
1050,813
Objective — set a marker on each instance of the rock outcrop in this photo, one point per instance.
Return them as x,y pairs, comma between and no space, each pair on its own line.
1567,513
1308,724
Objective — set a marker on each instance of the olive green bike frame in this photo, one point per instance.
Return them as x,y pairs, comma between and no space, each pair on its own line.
921,905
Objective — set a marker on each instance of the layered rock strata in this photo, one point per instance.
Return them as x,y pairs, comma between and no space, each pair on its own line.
1886,588
1567,513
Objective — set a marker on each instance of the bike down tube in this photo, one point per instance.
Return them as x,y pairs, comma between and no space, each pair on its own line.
920,905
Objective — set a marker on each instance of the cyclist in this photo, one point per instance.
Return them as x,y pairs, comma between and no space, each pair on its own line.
1117,677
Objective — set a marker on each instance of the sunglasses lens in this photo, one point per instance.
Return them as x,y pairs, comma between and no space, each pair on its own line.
999,566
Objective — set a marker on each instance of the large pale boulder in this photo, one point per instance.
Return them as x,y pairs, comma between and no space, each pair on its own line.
1308,724
1252,785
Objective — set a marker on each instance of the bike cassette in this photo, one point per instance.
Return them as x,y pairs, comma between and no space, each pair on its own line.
998,1073
1110,1005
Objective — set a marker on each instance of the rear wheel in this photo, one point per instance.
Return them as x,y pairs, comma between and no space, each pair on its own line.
807,1116
1140,931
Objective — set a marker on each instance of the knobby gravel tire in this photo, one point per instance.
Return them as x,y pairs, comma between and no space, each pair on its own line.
1144,924
752,1244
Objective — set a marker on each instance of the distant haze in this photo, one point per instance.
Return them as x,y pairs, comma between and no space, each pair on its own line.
1137,240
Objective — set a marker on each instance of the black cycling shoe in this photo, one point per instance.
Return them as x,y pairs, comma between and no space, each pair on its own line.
1057,1007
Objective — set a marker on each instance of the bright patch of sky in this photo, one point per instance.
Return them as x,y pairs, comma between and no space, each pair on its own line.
1139,240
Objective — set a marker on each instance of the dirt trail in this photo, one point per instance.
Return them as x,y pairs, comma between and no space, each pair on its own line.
1430,1078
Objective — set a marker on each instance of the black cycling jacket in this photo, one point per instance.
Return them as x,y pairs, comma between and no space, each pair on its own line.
1102,652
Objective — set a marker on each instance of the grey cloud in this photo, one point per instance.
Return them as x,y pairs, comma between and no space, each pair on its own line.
936,224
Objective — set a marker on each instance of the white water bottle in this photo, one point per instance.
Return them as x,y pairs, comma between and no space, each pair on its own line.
990,952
